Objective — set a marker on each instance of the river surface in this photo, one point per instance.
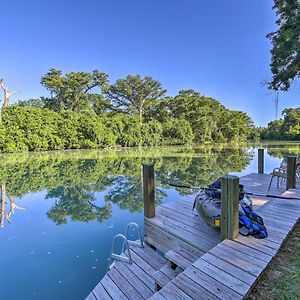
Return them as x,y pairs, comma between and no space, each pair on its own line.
61,210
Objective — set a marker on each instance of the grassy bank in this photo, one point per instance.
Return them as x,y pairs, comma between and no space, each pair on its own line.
282,278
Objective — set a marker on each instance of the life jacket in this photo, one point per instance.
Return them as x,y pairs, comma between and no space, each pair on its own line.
250,223
216,189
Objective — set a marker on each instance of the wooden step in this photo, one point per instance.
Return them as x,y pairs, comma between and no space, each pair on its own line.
180,258
186,254
164,275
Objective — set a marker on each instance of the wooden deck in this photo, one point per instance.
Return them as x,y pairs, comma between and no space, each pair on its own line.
196,265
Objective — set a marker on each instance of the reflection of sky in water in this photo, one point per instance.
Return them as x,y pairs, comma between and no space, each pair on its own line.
46,261
42,260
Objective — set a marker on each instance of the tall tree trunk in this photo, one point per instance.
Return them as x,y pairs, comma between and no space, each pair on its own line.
141,115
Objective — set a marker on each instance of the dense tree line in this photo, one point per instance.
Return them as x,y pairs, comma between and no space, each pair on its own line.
286,128
85,111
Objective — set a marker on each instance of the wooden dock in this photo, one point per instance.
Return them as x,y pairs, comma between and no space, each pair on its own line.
192,261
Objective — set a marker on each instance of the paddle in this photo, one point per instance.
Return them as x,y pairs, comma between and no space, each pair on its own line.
252,194
185,186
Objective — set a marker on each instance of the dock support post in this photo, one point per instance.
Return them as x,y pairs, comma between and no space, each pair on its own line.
261,161
291,172
229,207
149,190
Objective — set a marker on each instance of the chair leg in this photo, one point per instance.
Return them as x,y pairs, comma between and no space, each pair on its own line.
270,182
277,182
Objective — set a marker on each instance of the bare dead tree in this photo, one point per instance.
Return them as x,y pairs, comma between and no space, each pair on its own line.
4,215
13,206
7,94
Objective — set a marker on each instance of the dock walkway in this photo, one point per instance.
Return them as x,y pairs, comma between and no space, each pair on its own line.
196,264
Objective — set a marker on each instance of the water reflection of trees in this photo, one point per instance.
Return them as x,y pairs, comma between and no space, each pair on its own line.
74,179
77,203
281,151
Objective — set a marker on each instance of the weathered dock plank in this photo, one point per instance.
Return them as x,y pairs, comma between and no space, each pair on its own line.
225,278
135,276
130,281
171,292
121,282
252,252
100,293
231,269
240,261
112,288
237,265
192,288
211,269
165,241
211,284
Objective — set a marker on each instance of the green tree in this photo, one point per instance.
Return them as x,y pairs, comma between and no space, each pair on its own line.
286,128
177,132
236,126
91,131
127,129
39,102
151,133
135,95
291,123
203,113
72,91
100,104
210,120
285,64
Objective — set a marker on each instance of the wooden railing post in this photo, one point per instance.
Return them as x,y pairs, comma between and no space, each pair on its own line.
261,163
149,190
291,172
229,207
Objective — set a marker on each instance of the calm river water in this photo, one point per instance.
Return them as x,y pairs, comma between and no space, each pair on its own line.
61,210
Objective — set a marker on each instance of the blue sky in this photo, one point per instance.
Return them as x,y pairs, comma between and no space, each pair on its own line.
217,47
